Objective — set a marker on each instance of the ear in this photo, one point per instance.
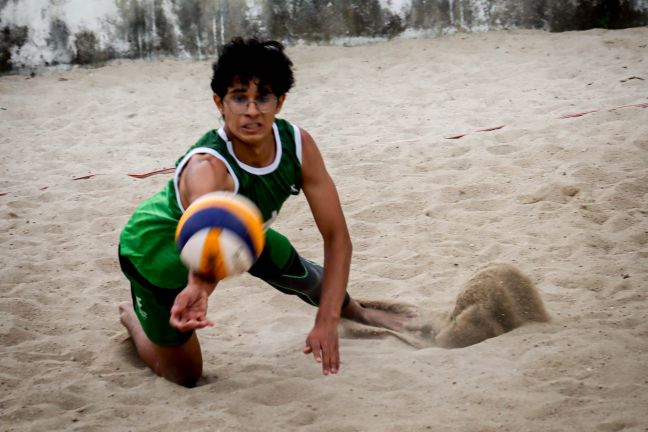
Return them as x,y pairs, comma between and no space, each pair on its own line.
280,103
219,103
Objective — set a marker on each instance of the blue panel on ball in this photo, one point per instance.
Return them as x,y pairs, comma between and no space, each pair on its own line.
214,217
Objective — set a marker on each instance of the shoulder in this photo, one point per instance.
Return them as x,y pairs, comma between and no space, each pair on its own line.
312,161
307,141
292,137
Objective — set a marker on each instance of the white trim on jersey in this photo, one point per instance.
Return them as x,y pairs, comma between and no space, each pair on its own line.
255,170
298,143
183,162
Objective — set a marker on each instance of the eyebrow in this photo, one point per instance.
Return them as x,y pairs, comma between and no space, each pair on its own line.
243,89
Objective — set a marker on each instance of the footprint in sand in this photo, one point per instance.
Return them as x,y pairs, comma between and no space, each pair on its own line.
554,192
503,149
494,301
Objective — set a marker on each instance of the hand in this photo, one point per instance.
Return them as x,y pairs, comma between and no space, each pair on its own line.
322,341
189,311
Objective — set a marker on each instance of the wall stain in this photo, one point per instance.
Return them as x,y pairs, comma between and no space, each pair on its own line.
85,44
12,37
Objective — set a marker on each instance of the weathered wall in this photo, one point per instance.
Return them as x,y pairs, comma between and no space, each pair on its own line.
46,32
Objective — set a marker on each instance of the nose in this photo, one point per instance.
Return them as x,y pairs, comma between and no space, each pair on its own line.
252,108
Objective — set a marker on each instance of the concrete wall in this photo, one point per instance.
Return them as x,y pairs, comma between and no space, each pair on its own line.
34,33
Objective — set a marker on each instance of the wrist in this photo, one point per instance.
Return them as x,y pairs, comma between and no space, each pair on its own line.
325,316
203,282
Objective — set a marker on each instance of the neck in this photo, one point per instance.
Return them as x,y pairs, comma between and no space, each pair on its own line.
257,155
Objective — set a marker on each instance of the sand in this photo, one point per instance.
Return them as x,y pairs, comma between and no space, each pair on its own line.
563,200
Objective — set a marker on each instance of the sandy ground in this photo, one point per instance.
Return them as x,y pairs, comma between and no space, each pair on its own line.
562,199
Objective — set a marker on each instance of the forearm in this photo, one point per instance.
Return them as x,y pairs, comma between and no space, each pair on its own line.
337,262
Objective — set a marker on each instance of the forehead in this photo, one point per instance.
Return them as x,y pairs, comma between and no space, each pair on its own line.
253,85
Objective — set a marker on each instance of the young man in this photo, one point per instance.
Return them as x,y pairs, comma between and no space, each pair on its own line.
265,159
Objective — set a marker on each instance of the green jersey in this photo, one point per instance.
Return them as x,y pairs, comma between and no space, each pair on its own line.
148,239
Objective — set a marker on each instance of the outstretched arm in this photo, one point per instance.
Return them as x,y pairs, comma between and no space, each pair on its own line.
325,205
202,174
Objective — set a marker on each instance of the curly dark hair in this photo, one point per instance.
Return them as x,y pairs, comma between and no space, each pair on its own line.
248,59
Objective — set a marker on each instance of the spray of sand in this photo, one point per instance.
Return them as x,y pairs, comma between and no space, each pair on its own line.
495,300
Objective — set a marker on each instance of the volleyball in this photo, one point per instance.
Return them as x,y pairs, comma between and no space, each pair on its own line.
220,235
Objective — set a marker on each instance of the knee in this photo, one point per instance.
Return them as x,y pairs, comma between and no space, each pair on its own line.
186,375
182,365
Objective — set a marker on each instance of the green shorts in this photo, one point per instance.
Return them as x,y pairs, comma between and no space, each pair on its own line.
279,265
152,306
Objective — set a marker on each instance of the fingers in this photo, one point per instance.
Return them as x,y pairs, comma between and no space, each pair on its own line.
327,354
314,347
185,319
176,319
190,324
331,360
189,311
178,311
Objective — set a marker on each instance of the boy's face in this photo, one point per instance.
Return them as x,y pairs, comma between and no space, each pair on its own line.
249,112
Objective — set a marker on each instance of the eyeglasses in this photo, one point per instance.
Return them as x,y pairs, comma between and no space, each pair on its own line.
264,103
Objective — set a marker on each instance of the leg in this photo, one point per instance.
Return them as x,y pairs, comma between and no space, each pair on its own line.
170,353
281,266
180,364
374,317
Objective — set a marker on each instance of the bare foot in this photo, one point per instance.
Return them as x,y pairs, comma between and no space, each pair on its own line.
380,318
375,317
127,316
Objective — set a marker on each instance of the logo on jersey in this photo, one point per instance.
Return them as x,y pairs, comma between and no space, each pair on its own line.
269,222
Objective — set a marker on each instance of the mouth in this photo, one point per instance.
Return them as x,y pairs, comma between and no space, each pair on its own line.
251,127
